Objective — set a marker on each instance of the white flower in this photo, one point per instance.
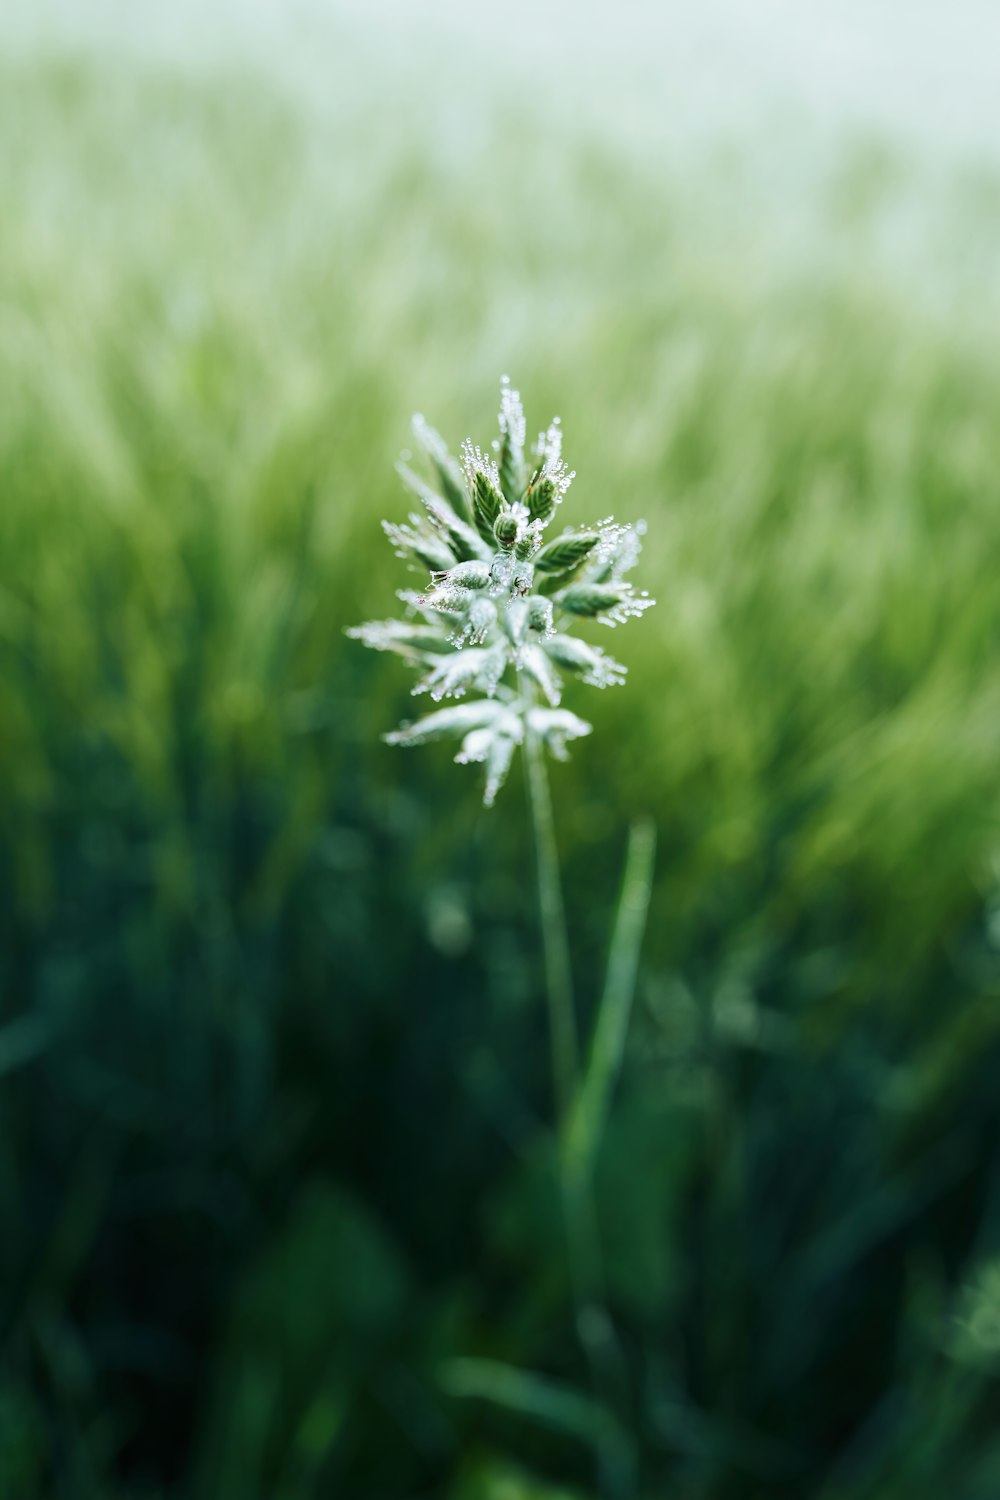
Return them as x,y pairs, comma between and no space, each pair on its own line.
496,615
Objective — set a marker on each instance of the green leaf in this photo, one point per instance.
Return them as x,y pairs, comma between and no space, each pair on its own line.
510,470
590,1108
566,552
435,554
550,1403
512,430
591,598
458,719
541,498
460,536
487,502
535,662
411,641
447,470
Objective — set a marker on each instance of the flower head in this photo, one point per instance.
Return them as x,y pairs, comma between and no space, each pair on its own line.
495,616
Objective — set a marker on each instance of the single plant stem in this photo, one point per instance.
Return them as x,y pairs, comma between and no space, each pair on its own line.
558,977
615,1457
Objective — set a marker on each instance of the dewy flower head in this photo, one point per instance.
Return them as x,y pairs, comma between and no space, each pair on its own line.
494,617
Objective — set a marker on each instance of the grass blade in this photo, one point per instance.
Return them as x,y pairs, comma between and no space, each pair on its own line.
550,1403
590,1107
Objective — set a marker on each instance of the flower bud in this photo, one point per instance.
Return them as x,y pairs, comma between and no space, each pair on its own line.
466,575
505,529
592,598
540,614
514,621
526,545
611,603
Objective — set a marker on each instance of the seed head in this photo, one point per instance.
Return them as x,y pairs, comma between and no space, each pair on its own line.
496,616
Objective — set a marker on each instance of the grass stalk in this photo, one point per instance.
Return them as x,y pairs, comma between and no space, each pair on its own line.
595,1330
563,1030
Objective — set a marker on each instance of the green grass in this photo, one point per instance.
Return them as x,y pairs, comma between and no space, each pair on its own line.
271,1042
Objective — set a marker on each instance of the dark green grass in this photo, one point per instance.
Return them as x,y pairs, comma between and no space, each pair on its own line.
272,1057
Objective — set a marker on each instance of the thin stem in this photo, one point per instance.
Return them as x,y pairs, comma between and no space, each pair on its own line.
558,978
593,1323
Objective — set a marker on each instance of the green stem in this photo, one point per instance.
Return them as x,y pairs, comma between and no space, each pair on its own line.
593,1323
558,980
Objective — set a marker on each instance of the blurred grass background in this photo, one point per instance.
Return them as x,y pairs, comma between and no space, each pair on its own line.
272,1050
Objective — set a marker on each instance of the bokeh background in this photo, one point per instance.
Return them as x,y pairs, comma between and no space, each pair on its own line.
273,1059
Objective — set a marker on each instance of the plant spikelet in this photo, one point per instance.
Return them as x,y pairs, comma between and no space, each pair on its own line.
496,616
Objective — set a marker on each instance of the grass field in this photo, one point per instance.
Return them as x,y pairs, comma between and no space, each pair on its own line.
272,1044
